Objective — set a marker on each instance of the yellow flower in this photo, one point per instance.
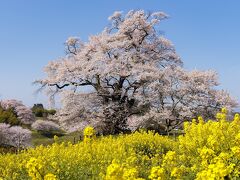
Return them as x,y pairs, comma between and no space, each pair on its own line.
34,167
200,120
89,133
157,173
224,110
50,176
206,153
130,174
236,151
114,171
237,138
194,121
236,117
56,138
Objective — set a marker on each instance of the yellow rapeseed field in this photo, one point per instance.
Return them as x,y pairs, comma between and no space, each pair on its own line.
207,150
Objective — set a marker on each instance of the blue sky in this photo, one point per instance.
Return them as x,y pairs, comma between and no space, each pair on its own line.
206,35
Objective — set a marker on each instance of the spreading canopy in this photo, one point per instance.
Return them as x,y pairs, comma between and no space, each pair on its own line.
127,67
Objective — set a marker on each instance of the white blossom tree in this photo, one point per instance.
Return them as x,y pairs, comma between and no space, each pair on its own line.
45,125
23,113
14,136
129,68
19,137
4,133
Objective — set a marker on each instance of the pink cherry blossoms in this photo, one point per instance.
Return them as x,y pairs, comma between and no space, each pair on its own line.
131,73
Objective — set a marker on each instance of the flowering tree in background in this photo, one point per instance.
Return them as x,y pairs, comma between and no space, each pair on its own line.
4,133
19,137
15,136
44,125
131,71
13,113
23,113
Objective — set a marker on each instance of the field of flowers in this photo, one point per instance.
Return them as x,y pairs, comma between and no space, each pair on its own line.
208,150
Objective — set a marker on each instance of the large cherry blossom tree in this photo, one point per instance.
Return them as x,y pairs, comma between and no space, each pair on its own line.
130,70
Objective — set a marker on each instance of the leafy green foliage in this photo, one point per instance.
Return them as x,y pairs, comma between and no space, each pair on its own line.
51,111
8,116
39,111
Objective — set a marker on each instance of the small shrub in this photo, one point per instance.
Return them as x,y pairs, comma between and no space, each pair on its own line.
8,116
51,111
39,111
